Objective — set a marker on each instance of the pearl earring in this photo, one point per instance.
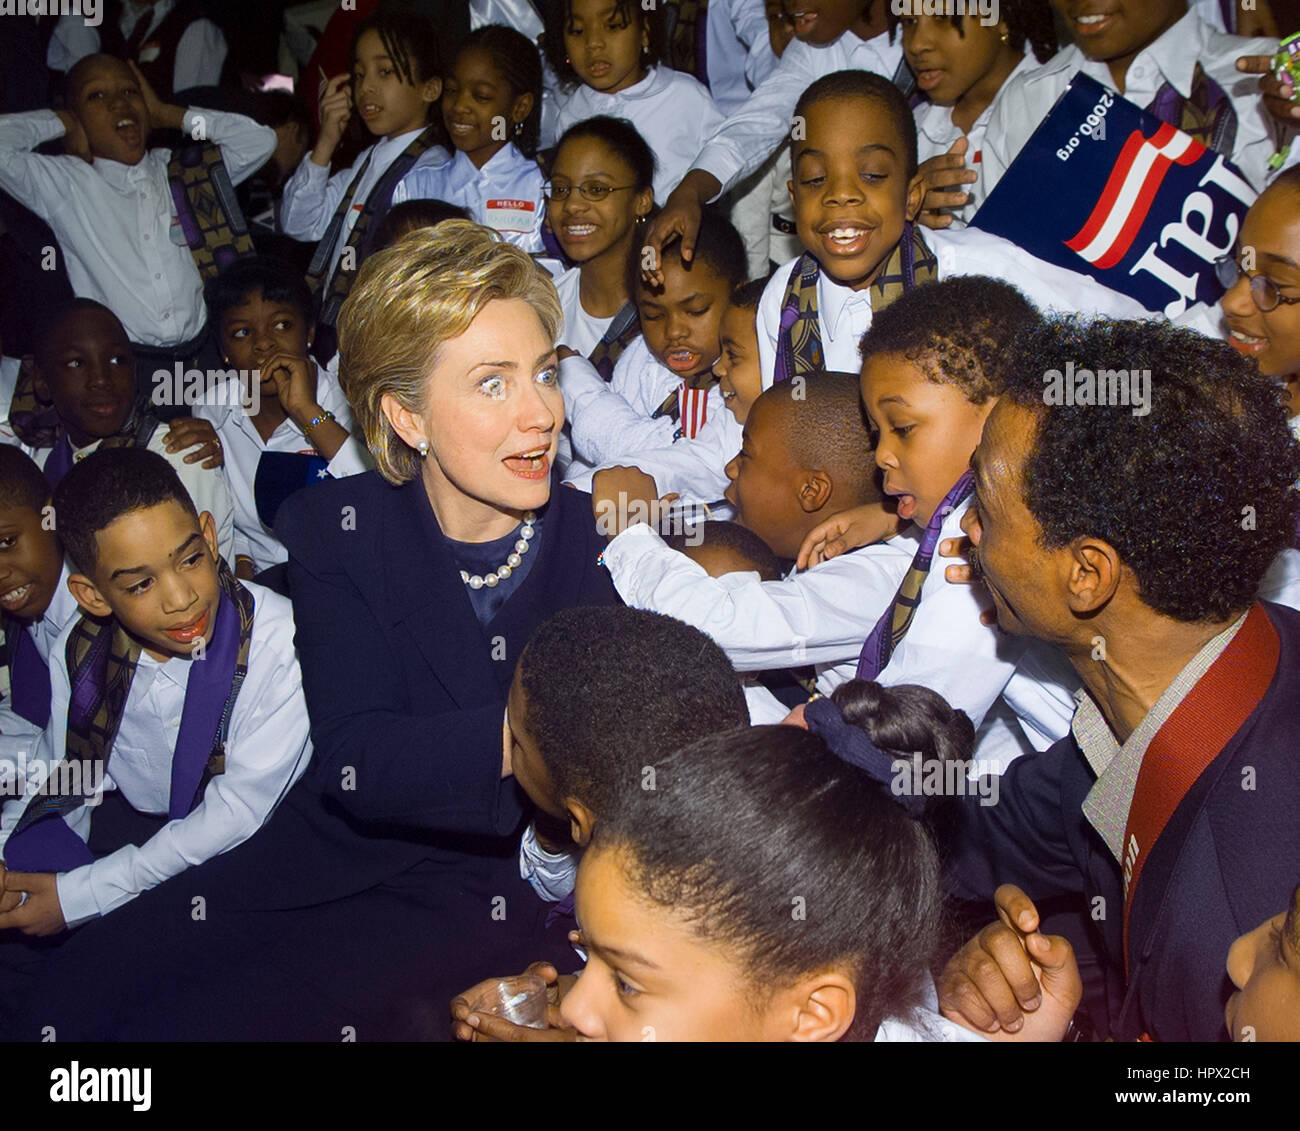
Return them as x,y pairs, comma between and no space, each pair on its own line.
423,448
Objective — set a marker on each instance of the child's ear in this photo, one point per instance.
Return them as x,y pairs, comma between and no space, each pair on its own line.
208,528
823,1007
915,195
431,89
88,596
522,108
815,489
643,202
581,821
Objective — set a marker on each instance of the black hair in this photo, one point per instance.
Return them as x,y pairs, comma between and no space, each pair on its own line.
22,483
1030,23
622,139
276,108
278,280
409,39
863,84
1197,496
518,62
747,295
411,215
103,487
50,319
718,246
790,858
957,332
733,538
823,426
611,689
559,14
907,719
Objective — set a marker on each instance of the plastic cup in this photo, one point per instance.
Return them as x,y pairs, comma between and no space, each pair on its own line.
520,1000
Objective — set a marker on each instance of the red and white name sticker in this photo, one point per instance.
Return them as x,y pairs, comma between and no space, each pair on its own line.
507,215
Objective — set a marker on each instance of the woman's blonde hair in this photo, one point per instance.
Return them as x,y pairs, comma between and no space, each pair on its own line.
407,301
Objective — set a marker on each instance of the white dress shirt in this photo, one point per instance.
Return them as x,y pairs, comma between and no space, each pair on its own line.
736,45
200,54
612,426
243,447
267,749
311,195
581,331
671,111
1025,101
845,314
551,875
744,141
116,224
506,194
207,487
936,133
821,616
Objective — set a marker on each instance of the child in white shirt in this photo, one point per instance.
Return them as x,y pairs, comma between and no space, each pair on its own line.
491,107
275,400
206,749
608,53
1161,57
395,80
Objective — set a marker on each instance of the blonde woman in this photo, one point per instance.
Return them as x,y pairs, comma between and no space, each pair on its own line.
388,878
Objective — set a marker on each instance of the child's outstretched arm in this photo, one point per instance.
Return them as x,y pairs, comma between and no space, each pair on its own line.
36,181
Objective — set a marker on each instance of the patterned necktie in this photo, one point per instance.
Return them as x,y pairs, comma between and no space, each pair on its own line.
893,625
1207,114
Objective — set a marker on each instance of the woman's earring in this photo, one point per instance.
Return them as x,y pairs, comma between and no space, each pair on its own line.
423,448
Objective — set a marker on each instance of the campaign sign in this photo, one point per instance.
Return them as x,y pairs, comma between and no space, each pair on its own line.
1108,190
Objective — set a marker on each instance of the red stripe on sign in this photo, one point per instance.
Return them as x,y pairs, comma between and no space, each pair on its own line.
1110,194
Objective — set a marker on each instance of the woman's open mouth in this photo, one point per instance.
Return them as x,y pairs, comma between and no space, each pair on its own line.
535,464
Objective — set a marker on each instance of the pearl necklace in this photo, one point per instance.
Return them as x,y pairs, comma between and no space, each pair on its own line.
526,532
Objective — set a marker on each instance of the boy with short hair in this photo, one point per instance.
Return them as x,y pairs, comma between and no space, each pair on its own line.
177,701
35,604
84,371
802,460
113,204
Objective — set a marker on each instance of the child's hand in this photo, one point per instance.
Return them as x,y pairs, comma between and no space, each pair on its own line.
1277,95
245,569
191,432
470,1026
1010,982
619,494
8,899
75,142
160,113
942,174
857,526
39,913
295,384
678,219
335,113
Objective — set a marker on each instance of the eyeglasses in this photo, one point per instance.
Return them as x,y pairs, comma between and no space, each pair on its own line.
1262,289
591,190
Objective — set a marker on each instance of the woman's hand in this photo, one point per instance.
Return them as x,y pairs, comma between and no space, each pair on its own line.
943,175
468,1025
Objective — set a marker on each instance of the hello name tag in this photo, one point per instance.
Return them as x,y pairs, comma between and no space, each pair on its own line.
511,215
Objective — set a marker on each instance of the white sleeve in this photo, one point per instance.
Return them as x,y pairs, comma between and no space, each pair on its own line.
35,181
210,492
245,146
267,751
72,41
605,426
311,197
695,469
200,55
821,616
551,875
746,139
